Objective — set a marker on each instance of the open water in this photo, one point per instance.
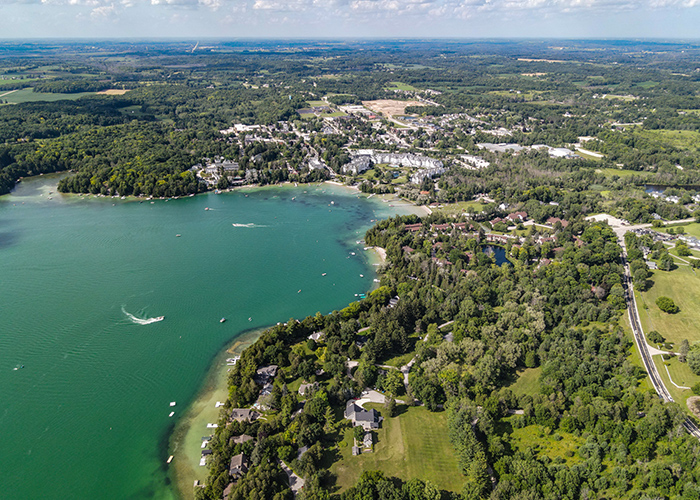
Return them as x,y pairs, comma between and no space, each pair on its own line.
87,371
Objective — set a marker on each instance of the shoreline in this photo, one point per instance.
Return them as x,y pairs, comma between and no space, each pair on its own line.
185,441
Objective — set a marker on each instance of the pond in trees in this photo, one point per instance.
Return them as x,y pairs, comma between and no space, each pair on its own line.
498,253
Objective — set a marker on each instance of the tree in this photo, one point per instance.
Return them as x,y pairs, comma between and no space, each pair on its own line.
655,337
682,248
683,351
640,279
390,405
693,360
667,305
666,262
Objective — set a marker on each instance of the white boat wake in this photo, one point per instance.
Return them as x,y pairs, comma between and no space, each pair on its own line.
250,224
142,321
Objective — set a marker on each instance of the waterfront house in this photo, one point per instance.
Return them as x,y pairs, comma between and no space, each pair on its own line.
265,374
243,438
243,415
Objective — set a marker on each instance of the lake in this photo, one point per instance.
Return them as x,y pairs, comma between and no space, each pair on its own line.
86,370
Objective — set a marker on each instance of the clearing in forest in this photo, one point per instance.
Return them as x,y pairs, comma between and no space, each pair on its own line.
390,107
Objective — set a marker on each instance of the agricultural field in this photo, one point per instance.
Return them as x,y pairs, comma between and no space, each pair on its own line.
415,444
28,95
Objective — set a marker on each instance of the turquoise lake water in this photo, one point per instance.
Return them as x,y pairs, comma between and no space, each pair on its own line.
84,388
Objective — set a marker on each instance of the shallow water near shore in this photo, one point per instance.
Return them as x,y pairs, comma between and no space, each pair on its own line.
87,369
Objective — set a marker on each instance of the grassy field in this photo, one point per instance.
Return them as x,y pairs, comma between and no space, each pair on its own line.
586,156
317,103
460,207
681,375
683,286
683,139
692,229
401,86
527,383
413,444
559,444
28,95
609,172
625,98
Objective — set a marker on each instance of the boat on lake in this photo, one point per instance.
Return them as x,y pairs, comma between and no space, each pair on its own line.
222,320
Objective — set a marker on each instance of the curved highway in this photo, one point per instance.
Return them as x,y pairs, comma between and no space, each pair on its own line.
639,339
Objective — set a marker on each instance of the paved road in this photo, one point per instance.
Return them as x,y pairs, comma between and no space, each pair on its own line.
640,340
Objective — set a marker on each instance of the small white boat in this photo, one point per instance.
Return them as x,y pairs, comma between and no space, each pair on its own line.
160,318
362,275
324,274
222,320
170,459
177,235
173,403
171,414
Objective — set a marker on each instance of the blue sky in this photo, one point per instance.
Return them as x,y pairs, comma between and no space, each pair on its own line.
350,18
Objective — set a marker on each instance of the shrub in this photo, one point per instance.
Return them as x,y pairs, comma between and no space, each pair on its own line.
655,337
667,305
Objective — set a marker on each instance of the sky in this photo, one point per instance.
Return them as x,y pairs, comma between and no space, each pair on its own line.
350,18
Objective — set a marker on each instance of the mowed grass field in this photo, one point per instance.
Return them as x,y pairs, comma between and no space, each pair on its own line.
690,229
414,444
683,286
460,207
680,376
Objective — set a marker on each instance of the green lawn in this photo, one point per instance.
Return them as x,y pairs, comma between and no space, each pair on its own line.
683,286
681,375
692,229
527,383
28,95
317,103
460,207
413,445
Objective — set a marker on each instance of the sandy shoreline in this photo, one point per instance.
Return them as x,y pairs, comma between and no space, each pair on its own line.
186,439
381,253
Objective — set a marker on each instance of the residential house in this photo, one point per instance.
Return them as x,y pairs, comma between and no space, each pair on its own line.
243,414
368,419
239,465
